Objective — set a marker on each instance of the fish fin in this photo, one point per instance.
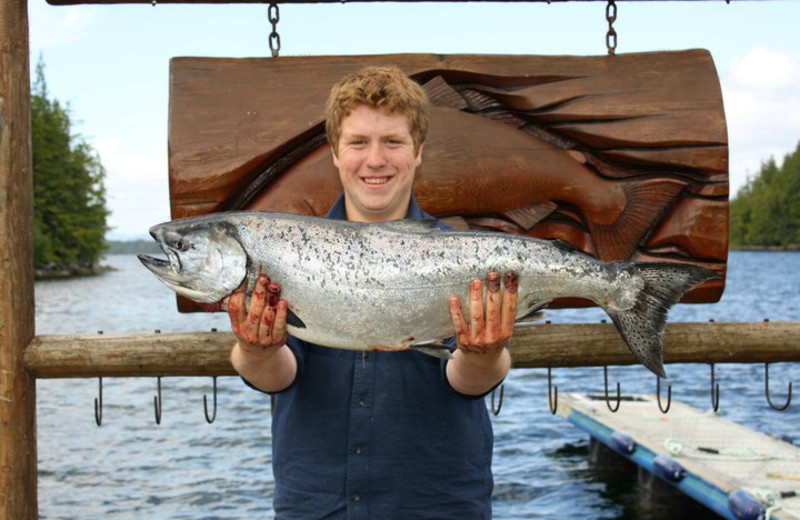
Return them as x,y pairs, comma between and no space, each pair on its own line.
294,320
456,222
642,327
645,201
435,349
479,101
533,311
528,216
441,94
410,226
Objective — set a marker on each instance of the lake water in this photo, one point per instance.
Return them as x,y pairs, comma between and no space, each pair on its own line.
184,468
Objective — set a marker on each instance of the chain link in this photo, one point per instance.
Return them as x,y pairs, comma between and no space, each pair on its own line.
611,35
274,15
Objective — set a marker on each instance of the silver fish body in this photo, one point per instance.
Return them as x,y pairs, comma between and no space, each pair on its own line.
386,285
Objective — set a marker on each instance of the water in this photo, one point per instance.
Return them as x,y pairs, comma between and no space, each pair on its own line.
187,469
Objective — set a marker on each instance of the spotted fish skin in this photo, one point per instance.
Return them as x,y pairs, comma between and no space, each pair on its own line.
386,285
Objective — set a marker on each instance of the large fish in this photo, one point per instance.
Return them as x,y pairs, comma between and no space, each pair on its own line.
386,285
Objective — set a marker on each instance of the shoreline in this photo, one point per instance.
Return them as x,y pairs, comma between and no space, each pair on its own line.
70,272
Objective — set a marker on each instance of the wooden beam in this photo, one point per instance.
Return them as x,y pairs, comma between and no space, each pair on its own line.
17,388
532,346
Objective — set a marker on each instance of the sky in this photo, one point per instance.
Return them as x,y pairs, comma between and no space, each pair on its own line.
110,64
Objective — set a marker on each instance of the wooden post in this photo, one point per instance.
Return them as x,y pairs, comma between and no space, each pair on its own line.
17,388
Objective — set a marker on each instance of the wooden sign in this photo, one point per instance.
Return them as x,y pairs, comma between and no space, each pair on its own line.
624,156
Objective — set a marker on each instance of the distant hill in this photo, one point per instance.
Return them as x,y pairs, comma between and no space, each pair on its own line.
132,247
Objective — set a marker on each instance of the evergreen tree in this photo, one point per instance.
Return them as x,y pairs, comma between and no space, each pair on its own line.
766,212
69,195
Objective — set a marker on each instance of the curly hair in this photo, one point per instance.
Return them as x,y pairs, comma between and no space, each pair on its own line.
386,88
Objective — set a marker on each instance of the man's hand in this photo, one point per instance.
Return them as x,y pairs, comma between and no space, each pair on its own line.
260,354
482,360
260,327
489,329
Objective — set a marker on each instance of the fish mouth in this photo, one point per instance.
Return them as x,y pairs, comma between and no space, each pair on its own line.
169,268
164,269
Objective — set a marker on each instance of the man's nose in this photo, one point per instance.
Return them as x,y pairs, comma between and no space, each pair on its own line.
375,155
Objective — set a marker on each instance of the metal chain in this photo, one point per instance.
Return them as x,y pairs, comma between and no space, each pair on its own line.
611,35
274,16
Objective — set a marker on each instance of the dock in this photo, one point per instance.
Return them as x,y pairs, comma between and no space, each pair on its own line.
737,472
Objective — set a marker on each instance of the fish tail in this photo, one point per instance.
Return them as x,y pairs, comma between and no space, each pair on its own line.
642,326
645,200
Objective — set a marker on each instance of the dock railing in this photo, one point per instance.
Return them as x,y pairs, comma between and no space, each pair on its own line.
533,345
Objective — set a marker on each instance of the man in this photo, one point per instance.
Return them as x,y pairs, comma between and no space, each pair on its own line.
378,435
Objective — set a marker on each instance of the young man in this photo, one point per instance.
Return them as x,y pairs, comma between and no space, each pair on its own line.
378,435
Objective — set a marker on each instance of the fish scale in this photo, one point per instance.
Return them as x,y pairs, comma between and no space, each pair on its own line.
386,285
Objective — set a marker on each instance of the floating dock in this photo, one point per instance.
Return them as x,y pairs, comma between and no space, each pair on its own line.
738,473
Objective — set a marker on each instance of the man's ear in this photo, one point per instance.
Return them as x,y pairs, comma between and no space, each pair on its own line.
418,159
335,156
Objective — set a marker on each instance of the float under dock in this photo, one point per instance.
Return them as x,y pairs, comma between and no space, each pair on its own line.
739,473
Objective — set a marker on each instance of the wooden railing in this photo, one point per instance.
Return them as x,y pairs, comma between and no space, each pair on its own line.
533,345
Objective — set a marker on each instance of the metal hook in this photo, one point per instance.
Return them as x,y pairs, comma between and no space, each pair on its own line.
658,395
496,411
766,391
714,391
157,403
205,404
98,403
552,393
608,403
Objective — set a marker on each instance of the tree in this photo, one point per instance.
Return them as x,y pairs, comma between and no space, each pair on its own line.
766,212
69,195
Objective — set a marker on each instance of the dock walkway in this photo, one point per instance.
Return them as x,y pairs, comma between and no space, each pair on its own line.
739,473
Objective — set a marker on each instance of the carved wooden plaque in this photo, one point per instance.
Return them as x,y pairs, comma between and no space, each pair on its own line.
624,156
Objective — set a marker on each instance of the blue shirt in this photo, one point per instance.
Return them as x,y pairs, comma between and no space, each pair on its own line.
378,435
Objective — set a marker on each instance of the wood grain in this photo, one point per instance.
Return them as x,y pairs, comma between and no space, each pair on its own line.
18,491
628,153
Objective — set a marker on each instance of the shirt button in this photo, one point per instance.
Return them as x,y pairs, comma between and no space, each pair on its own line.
358,450
356,498
361,403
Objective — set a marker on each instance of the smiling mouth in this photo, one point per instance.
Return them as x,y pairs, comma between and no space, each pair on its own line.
376,181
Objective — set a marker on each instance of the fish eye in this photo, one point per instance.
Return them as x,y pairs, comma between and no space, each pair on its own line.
182,245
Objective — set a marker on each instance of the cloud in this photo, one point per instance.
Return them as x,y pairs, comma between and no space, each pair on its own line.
764,69
761,91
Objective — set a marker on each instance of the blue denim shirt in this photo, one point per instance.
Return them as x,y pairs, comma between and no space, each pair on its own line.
378,435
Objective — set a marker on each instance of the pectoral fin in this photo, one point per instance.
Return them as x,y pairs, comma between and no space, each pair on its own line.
435,349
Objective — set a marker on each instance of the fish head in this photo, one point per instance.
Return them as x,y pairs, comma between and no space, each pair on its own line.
205,261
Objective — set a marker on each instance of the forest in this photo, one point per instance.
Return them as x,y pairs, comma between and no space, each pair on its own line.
765,213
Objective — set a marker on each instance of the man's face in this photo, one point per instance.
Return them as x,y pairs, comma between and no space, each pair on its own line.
376,162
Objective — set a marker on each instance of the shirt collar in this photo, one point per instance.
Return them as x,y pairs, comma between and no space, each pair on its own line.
337,211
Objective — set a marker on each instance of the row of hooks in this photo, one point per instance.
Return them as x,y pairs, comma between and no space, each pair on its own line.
552,393
98,403
552,397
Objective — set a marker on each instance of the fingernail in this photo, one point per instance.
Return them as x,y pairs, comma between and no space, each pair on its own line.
511,281
476,285
493,282
274,291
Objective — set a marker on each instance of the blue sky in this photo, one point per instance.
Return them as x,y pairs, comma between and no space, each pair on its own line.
110,64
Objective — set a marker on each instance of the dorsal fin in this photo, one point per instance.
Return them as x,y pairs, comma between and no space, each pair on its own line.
410,226
441,94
